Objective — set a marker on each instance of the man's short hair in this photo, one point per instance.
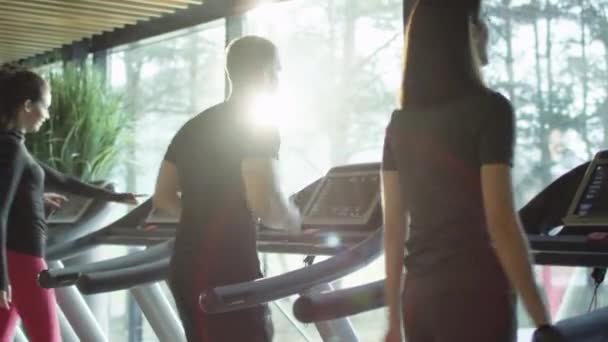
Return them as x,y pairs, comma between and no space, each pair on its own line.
247,55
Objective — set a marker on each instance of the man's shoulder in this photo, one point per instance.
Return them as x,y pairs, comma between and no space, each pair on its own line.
206,119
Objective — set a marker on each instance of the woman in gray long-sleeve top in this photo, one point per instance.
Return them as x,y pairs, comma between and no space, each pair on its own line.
25,99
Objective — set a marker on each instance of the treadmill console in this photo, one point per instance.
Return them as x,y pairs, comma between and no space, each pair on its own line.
160,216
71,211
588,211
348,197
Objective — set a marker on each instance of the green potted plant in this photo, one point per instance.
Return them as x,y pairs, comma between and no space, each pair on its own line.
84,138
86,134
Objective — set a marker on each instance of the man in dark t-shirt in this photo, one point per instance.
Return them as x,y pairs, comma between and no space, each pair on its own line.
221,162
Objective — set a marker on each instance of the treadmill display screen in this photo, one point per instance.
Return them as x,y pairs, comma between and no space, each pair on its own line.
71,211
594,199
161,216
347,198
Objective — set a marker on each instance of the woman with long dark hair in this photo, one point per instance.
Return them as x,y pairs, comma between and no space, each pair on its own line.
25,99
446,186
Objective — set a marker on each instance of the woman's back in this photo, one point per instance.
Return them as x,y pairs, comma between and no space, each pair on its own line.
438,152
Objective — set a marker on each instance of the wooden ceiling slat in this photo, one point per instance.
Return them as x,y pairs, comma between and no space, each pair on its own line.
7,53
67,8
10,58
189,2
36,32
23,53
38,27
25,11
82,24
27,53
19,36
19,52
34,27
102,6
166,4
15,57
23,43
25,40
16,49
11,45
128,4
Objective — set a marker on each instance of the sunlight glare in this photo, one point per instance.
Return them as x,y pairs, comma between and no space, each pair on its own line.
272,110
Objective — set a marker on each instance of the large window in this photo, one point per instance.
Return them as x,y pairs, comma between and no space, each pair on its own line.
341,63
551,59
166,81
341,69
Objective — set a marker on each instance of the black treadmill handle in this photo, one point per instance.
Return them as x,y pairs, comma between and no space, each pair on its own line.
589,327
122,279
45,280
332,305
154,253
548,333
248,294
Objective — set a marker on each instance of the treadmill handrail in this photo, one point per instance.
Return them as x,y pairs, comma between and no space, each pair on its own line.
54,278
545,249
588,327
252,293
562,243
133,218
86,224
124,278
339,303
59,277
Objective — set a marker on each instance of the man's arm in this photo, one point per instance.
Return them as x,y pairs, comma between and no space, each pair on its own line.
166,192
264,195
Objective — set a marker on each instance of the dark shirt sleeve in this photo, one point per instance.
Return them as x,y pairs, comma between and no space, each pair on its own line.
388,159
263,143
11,168
65,183
497,136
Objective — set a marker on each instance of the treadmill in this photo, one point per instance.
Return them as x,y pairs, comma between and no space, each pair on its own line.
342,219
76,218
578,198
355,239
132,231
156,229
344,204
132,222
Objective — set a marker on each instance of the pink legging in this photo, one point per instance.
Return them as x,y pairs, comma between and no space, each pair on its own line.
33,304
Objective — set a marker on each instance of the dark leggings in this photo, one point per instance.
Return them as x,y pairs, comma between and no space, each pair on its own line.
33,304
249,325
449,316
